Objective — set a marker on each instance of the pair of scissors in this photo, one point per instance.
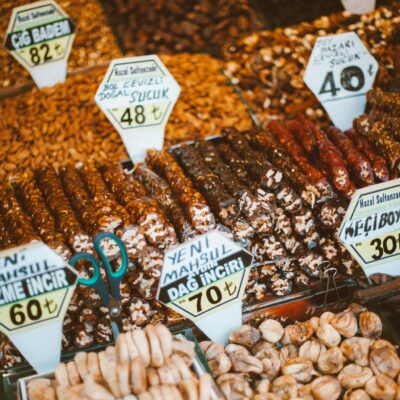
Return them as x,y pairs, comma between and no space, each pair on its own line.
111,296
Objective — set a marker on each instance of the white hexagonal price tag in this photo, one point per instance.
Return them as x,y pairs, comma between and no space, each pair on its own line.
40,36
204,280
339,73
36,286
138,95
371,228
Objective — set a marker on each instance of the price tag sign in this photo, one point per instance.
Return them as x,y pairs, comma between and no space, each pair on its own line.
204,280
371,228
40,36
36,286
138,95
339,73
359,6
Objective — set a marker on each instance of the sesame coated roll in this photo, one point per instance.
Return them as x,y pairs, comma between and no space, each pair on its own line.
34,205
196,207
17,222
144,211
158,189
50,185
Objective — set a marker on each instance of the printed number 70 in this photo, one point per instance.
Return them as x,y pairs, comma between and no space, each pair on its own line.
213,295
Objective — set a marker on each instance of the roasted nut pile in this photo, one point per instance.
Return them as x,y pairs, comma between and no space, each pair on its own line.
326,358
58,125
149,364
147,27
300,10
94,42
206,103
268,66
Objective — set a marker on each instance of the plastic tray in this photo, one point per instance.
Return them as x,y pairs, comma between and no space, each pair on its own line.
25,372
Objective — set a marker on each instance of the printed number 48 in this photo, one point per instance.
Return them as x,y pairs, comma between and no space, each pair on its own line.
139,116
351,78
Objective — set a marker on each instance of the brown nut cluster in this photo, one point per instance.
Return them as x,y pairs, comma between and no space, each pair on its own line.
94,42
182,25
58,125
326,358
150,364
207,103
381,127
268,66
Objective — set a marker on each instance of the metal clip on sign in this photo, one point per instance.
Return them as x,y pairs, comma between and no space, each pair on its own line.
328,273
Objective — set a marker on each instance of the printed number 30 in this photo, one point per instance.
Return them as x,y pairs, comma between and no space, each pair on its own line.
351,78
139,116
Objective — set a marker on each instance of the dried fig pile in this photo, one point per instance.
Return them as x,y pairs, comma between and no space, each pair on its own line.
325,358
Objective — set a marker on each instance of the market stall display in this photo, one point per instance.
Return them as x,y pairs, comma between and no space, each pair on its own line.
248,152
94,44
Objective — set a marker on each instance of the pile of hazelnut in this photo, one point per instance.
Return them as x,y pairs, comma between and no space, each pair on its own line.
325,358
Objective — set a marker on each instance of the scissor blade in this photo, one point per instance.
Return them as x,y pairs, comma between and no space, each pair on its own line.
115,329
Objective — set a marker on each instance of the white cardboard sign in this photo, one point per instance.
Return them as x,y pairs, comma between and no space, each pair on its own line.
36,286
371,228
138,95
204,280
339,73
40,36
359,6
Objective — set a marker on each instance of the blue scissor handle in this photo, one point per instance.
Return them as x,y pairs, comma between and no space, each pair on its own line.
96,268
95,281
114,277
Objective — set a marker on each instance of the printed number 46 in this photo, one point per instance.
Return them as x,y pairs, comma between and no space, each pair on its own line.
351,78
139,116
